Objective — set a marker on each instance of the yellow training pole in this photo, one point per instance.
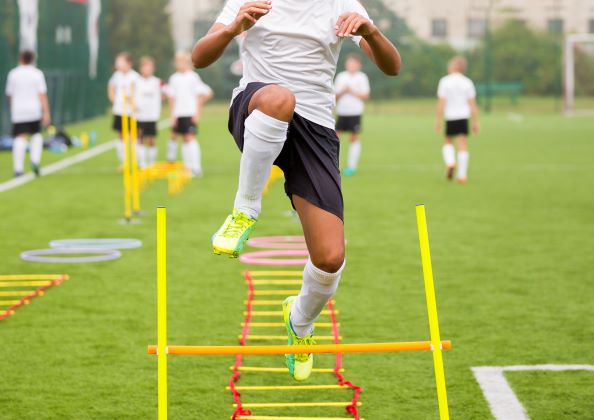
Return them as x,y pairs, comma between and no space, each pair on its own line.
134,163
126,166
162,311
432,311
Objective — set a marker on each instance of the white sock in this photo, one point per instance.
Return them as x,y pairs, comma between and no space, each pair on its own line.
463,158
19,150
186,156
318,287
263,141
120,150
195,157
141,155
36,148
172,150
449,155
354,154
152,155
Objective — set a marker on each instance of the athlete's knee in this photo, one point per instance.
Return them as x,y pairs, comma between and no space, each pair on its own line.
276,101
329,261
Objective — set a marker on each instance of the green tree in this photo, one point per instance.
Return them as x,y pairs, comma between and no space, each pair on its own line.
141,28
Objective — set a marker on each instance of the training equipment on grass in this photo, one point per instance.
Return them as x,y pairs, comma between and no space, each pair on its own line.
571,43
104,243
162,349
23,288
130,165
176,174
266,257
51,255
278,242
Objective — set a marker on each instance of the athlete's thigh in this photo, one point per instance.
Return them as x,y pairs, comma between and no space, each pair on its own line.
324,235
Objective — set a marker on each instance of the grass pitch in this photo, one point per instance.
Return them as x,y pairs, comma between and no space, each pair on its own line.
512,254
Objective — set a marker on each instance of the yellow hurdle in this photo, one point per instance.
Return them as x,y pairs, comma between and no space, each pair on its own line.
162,311
432,312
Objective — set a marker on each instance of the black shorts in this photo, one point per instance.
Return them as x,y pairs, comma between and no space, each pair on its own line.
185,125
147,129
350,124
457,128
117,123
31,127
309,157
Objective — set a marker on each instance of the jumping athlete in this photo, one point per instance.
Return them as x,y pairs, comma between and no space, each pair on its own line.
456,104
282,113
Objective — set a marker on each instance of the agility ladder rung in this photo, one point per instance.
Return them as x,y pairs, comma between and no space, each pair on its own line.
283,325
21,277
276,292
280,313
288,387
273,282
25,283
256,274
279,369
284,337
11,302
19,293
269,302
292,418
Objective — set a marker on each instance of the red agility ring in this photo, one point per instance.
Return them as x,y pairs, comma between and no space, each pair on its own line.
278,242
266,257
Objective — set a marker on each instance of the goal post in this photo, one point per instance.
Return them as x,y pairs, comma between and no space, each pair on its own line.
571,42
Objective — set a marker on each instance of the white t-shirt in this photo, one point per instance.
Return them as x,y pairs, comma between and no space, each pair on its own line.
185,88
457,90
24,85
350,105
124,85
295,46
148,94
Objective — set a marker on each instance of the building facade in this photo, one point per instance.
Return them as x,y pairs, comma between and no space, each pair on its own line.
462,22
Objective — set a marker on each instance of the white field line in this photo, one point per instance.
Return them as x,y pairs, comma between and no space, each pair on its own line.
502,400
69,161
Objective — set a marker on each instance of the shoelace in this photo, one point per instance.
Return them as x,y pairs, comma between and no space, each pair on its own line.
237,226
305,341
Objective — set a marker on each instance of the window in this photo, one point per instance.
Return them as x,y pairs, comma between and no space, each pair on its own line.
439,28
476,28
591,26
555,26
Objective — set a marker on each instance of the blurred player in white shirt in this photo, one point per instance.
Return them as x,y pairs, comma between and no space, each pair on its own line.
187,95
148,98
121,93
352,90
29,109
457,106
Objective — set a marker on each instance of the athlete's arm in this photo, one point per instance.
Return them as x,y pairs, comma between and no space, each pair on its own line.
210,48
439,114
172,117
374,43
45,107
111,93
476,128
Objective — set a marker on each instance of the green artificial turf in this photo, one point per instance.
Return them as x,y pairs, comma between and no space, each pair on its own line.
512,254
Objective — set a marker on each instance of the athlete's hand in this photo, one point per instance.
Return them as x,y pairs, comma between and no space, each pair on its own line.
353,24
46,120
249,14
476,127
438,126
173,122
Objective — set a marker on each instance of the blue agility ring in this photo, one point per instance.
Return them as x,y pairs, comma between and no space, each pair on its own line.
106,243
53,255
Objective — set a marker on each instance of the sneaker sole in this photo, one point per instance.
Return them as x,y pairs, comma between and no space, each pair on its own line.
228,252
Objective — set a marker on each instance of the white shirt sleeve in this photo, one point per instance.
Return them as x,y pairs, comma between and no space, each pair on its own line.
355,6
169,89
471,90
339,82
441,89
9,85
365,88
41,85
230,11
202,89
112,80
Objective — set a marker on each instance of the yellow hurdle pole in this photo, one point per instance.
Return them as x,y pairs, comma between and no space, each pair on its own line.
126,166
162,312
436,343
134,163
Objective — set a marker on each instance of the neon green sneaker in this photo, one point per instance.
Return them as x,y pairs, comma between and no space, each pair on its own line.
300,365
232,236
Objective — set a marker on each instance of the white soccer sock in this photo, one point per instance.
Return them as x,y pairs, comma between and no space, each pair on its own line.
318,287
19,150
186,156
354,154
141,155
152,155
120,150
463,158
172,150
36,149
449,155
263,141
195,157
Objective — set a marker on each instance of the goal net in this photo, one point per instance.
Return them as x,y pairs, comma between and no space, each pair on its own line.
579,74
